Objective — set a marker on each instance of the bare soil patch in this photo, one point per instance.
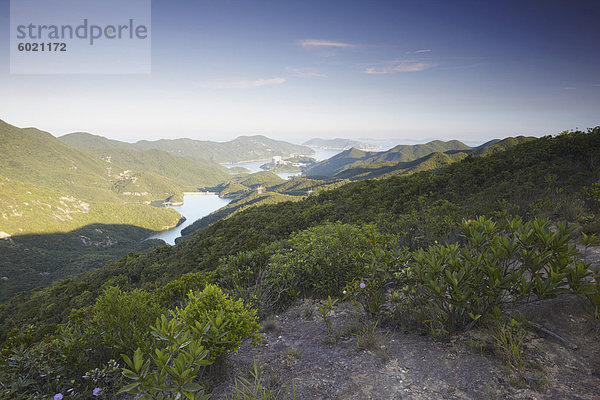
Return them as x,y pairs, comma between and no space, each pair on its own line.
297,354
299,358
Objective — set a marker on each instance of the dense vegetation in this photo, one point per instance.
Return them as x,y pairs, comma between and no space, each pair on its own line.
188,174
402,159
410,250
29,209
273,191
243,148
29,261
48,186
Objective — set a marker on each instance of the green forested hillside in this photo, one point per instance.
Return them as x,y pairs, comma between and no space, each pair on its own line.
386,169
243,148
84,140
500,145
146,187
186,173
402,159
401,153
128,156
76,187
273,192
243,184
335,164
404,153
543,177
32,260
438,255
37,157
49,236
26,208
251,199
373,169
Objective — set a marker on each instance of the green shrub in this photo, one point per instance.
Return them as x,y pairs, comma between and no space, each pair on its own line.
175,292
172,367
34,370
243,276
452,286
116,323
28,371
212,305
322,260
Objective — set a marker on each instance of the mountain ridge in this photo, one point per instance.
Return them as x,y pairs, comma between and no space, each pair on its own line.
240,149
398,156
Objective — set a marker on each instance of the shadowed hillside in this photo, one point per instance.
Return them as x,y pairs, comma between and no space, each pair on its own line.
29,261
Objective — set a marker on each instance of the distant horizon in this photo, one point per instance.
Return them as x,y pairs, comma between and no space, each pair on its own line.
382,142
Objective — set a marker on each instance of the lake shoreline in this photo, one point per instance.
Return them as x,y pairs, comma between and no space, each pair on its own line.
192,208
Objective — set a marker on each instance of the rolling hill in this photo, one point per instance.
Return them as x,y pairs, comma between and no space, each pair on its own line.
386,169
48,186
26,208
243,148
36,157
402,159
33,156
188,174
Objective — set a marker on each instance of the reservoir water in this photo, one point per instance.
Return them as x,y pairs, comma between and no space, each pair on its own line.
193,208
254,166
196,206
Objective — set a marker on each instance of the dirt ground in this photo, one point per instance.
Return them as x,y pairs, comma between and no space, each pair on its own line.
298,358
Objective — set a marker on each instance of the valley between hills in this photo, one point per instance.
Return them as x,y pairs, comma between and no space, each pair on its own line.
74,202
441,251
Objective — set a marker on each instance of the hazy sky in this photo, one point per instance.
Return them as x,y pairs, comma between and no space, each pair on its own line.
471,70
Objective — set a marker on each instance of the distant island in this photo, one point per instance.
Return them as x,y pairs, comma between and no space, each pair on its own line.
291,164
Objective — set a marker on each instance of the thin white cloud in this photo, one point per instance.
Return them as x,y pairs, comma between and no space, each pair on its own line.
569,88
596,84
423,51
400,66
240,83
316,43
304,72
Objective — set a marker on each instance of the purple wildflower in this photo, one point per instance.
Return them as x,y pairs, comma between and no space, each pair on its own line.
58,396
96,391
344,292
362,285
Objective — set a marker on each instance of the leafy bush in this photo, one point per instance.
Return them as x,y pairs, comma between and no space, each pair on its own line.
243,275
213,306
322,260
172,367
452,286
210,325
175,292
28,371
32,371
117,322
